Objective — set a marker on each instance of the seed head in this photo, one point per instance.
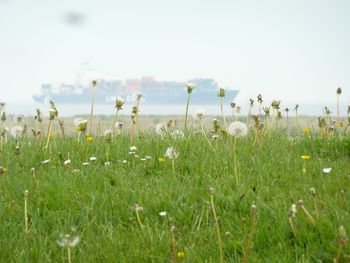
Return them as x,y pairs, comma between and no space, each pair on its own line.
190,87
221,92
339,90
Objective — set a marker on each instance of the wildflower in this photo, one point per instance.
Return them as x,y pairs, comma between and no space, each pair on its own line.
171,153
82,126
51,134
119,125
53,113
162,214
180,254
306,131
339,90
119,102
108,135
326,170
3,170
259,97
190,87
305,157
89,138
276,104
66,162
16,131
221,92
86,163
148,157
312,191
200,113
160,129
177,134
161,160
266,109
92,158
107,163
125,161
133,148
293,210
342,238
45,161
237,129
215,137
68,241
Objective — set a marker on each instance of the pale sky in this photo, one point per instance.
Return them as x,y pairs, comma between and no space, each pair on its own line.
297,50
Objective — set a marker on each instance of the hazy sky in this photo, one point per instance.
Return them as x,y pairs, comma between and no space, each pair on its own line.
298,51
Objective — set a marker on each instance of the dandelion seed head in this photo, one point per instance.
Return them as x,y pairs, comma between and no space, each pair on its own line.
237,129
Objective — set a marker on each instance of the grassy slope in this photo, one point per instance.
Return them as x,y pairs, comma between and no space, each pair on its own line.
97,200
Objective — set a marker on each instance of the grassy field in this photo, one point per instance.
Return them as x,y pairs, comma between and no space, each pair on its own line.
111,197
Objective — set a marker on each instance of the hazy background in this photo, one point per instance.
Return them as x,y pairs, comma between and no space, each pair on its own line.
298,51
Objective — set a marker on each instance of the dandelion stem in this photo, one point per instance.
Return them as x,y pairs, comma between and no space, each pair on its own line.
316,208
250,240
69,253
312,220
204,134
92,105
139,220
292,226
173,164
217,228
173,250
48,134
235,169
338,254
188,103
222,112
114,120
26,230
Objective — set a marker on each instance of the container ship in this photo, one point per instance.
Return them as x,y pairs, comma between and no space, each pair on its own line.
153,92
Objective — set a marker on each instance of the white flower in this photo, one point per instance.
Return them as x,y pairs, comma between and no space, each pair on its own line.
86,163
327,170
67,240
143,159
66,162
215,136
177,134
107,163
199,113
16,131
45,161
162,214
125,161
133,148
119,125
93,158
77,120
171,153
107,133
148,157
160,129
238,129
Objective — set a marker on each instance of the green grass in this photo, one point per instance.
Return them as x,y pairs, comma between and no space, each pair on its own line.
97,199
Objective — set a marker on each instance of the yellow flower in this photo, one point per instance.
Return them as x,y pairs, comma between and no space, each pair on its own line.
52,135
77,129
180,254
306,131
305,157
161,160
89,138
3,170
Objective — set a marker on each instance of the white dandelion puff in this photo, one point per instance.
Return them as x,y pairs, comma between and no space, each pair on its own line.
237,129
